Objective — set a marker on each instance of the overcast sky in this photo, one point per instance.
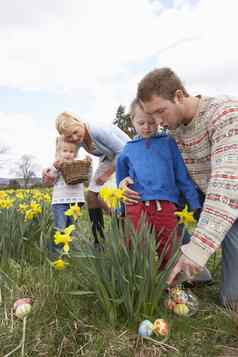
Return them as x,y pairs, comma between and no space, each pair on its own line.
87,56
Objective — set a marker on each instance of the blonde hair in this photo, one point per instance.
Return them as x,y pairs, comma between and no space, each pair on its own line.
60,142
66,121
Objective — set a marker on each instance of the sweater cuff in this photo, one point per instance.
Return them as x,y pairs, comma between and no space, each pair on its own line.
196,253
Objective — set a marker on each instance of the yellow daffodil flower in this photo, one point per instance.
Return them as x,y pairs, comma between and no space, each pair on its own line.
111,196
186,217
35,207
20,195
22,207
64,238
6,202
69,229
73,211
47,197
3,195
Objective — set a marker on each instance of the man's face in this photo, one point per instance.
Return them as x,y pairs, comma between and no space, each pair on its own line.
167,114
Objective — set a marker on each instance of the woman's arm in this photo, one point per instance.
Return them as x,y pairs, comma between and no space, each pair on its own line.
111,137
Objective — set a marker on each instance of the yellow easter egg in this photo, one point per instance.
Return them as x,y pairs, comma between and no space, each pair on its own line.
181,309
161,327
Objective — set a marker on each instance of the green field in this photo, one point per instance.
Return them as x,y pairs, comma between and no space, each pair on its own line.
94,305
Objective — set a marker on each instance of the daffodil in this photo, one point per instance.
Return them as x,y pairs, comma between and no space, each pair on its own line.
64,238
47,197
22,207
111,196
3,195
186,218
29,215
37,195
35,207
6,202
30,211
69,229
73,211
59,264
20,195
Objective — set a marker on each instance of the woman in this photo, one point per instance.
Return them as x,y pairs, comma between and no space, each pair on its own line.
104,142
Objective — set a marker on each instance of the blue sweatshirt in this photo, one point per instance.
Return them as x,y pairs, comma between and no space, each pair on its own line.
157,169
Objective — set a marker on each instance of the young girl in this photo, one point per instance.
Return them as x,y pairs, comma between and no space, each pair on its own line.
64,195
157,172
105,142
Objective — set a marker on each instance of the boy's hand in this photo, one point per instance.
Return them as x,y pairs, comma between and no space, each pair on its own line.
130,196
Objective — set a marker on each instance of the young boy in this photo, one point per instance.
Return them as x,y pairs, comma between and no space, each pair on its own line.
158,173
63,194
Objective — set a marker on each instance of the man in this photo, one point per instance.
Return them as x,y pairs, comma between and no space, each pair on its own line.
206,131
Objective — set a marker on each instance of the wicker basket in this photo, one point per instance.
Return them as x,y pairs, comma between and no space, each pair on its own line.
76,171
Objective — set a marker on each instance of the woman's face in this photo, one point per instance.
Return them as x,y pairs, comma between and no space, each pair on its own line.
75,134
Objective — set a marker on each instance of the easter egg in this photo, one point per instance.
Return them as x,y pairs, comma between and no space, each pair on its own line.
175,292
161,327
22,307
181,298
181,309
23,310
145,328
169,304
22,301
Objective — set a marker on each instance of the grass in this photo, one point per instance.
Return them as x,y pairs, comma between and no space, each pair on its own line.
63,325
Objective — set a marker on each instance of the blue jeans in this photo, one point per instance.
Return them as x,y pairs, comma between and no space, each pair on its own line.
60,220
229,269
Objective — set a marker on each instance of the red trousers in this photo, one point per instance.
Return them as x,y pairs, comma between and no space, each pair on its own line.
163,221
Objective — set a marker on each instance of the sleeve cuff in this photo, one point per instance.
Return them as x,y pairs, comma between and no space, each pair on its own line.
196,253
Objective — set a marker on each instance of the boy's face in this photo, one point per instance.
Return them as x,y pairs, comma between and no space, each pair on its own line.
68,152
144,124
167,114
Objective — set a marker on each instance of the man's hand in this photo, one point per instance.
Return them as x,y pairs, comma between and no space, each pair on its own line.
186,266
130,197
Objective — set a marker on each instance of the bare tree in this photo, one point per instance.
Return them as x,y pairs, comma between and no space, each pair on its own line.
26,169
3,150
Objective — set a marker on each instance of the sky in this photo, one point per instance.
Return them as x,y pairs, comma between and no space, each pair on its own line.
87,57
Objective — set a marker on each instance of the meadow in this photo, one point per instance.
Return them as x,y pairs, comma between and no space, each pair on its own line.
89,302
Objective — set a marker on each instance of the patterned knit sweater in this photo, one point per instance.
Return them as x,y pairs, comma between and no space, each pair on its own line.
209,146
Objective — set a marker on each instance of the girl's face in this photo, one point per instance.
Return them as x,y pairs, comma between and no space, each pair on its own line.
75,134
68,152
144,124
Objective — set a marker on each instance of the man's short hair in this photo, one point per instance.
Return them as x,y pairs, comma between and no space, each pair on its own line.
162,82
